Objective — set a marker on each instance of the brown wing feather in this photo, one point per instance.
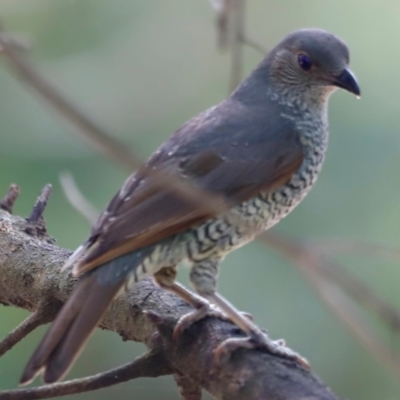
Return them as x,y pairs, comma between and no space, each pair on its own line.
233,159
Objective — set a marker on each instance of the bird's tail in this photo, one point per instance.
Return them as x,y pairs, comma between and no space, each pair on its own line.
78,318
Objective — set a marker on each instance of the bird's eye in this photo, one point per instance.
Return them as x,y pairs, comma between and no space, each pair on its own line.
304,62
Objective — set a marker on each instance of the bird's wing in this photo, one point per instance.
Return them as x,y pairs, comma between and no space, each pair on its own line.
230,150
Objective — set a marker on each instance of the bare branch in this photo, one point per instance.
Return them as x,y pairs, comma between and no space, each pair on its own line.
25,282
253,44
101,140
41,316
326,277
351,319
361,293
40,205
149,365
7,203
77,199
205,200
235,33
337,246
222,9
347,282
92,133
19,42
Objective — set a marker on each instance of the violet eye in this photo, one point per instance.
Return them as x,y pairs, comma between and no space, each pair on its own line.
304,62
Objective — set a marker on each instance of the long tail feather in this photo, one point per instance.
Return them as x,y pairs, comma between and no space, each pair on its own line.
69,332
73,341
57,330
78,318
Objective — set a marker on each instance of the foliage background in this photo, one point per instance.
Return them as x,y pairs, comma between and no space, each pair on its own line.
141,69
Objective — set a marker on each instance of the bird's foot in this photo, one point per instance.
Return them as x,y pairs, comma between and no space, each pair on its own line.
202,310
256,338
259,340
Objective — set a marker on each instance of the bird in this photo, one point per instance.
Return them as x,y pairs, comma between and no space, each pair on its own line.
260,150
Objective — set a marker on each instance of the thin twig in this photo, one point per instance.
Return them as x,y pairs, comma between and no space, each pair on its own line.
93,134
77,199
37,318
235,33
7,203
361,293
19,42
324,274
345,312
205,200
222,10
40,205
337,246
253,44
101,141
149,365
351,285
338,275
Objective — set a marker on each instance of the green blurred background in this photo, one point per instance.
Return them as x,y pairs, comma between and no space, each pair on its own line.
140,69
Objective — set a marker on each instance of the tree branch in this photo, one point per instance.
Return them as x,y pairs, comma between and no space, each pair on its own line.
41,316
26,282
111,148
77,199
7,203
40,205
150,365
235,35
93,134
331,283
99,139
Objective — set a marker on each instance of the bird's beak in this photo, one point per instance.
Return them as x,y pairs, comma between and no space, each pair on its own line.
347,80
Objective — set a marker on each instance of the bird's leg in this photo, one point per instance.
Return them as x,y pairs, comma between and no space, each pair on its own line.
256,338
165,278
203,277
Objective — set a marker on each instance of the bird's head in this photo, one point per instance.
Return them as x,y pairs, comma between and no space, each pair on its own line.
314,61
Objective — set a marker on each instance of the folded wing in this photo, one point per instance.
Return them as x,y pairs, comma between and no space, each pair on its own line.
231,150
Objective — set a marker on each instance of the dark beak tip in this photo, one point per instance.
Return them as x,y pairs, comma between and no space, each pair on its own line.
357,92
346,80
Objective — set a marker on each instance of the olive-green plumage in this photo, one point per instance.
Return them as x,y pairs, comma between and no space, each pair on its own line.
261,149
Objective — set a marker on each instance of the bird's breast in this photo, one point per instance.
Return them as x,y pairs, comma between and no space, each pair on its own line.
266,209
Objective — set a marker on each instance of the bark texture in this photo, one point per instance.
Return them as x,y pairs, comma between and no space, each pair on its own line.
31,278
